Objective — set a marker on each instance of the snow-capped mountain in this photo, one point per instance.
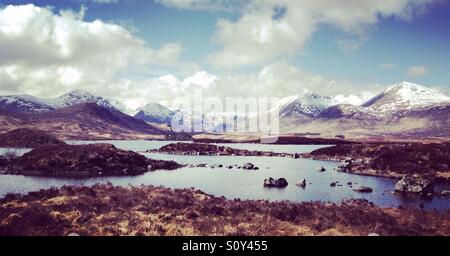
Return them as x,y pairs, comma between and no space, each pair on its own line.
24,103
192,121
347,110
155,113
400,108
404,97
79,97
27,103
306,104
187,119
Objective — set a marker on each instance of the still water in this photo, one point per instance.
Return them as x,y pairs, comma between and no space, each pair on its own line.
243,184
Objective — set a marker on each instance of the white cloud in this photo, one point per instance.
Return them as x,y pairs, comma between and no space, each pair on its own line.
352,99
279,79
349,45
211,5
419,70
257,38
105,1
46,54
387,65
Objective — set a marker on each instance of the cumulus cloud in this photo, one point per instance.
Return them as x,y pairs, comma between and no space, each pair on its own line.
262,35
279,79
46,53
415,71
387,65
105,1
349,45
211,5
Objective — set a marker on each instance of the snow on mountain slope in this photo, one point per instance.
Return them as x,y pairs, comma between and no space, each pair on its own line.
347,110
306,104
79,97
405,96
24,103
156,113
27,103
192,121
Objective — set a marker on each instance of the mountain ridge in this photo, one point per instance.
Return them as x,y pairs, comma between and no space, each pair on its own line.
403,108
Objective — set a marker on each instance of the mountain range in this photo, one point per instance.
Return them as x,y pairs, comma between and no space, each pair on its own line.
403,110
31,104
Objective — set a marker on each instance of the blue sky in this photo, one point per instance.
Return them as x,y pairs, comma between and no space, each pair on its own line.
384,49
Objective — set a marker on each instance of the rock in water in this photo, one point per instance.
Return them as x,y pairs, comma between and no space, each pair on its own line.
275,183
248,166
322,169
415,184
302,184
445,193
363,189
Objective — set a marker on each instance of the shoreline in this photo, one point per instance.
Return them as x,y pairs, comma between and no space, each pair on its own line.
361,167
148,210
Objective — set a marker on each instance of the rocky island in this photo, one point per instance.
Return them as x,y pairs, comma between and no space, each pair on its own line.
390,160
82,161
205,149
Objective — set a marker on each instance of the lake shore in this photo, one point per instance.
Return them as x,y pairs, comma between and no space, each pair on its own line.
390,160
155,211
378,160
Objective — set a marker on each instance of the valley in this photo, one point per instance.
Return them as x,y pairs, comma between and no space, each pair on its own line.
386,159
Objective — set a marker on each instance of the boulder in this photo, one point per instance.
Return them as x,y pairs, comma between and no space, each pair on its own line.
333,184
445,193
343,168
275,183
322,169
415,184
248,166
363,189
302,183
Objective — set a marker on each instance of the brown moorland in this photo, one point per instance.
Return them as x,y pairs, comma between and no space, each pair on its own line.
390,159
155,211
27,138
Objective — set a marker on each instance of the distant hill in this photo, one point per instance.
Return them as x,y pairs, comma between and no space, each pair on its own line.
27,138
83,121
404,110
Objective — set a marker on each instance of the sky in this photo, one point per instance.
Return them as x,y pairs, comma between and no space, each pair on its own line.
142,51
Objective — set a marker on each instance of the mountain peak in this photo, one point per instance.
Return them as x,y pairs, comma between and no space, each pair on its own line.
406,96
156,113
404,85
78,93
80,96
